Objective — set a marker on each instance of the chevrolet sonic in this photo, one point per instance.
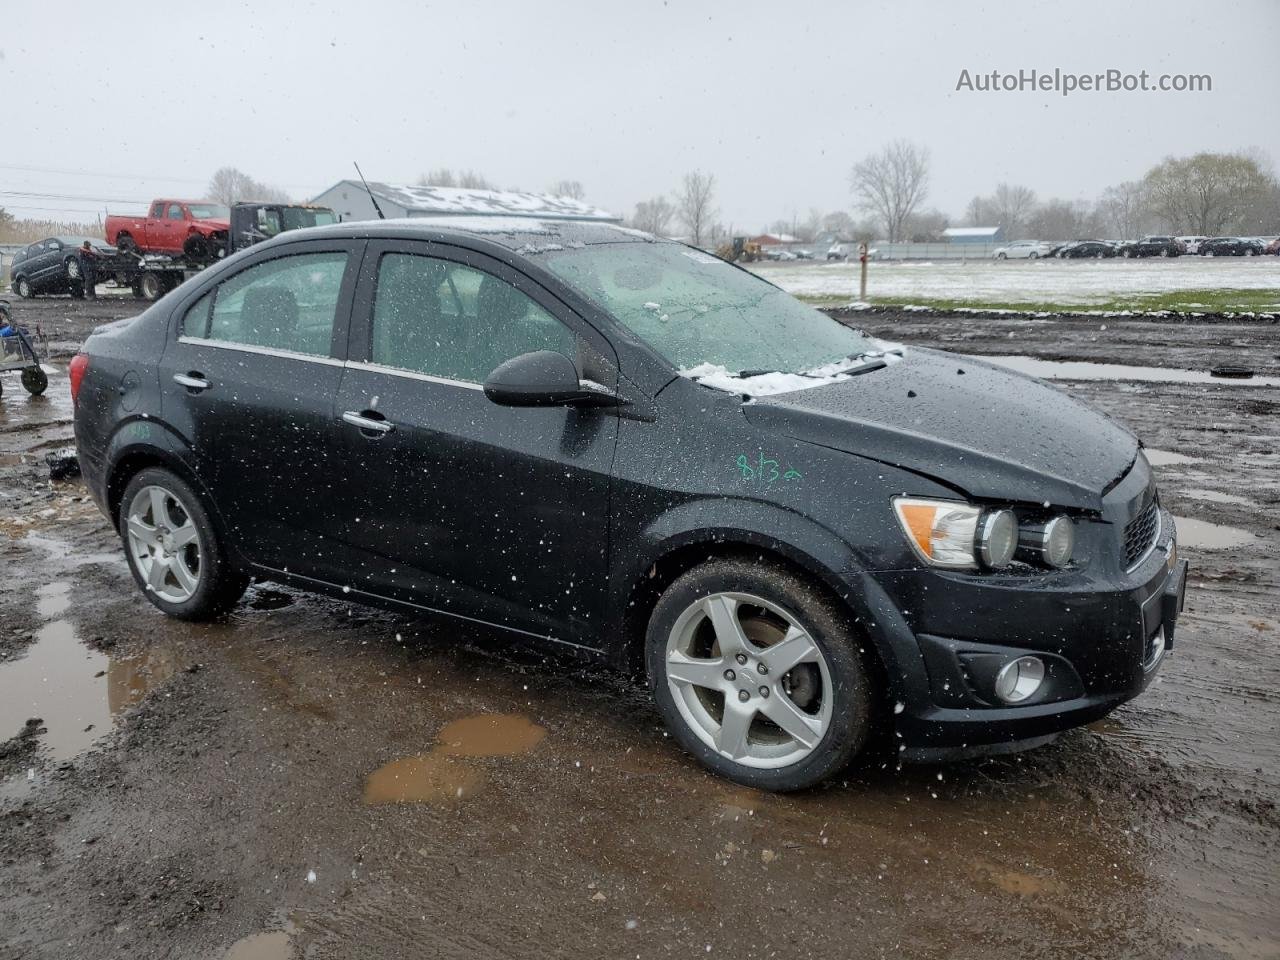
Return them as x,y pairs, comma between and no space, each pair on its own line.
587,436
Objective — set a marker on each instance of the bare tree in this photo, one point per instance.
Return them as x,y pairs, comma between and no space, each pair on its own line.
444,177
891,184
1012,205
1206,193
654,216
838,223
1123,209
694,204
229,185
979,213
567,188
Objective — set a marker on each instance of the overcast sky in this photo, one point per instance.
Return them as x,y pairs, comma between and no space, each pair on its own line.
109,103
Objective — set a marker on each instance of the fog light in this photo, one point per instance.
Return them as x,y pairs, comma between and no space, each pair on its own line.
997,538
1019,679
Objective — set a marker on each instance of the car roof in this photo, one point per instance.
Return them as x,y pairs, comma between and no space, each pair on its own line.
518,234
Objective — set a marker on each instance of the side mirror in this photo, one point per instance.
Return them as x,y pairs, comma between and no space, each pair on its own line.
543,379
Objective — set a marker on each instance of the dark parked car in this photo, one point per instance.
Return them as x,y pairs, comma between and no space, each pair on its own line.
1152,247
1091,249
1231,247
52,266
637,451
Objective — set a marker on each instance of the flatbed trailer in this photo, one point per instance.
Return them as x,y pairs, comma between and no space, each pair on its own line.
149,277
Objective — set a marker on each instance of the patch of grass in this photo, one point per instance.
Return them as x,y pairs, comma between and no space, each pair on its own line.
1206,300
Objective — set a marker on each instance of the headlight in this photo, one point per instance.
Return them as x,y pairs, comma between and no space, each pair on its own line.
1051,543
957,535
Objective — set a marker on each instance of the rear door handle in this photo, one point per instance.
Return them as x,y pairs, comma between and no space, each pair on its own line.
367,423
192,381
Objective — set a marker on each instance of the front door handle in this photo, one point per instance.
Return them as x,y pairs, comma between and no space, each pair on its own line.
192,381
365,422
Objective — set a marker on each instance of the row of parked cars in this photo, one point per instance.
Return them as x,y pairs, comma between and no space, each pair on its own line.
1154,246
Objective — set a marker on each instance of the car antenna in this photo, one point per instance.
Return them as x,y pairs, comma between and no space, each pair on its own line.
381,215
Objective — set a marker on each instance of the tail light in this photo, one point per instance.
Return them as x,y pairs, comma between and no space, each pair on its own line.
76,371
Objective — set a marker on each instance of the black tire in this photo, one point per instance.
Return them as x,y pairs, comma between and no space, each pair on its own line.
150,286
220,585
825,622
1033,256
126,244
1002,256
22,287
35,381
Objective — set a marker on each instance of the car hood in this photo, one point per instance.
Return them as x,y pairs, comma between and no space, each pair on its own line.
984,430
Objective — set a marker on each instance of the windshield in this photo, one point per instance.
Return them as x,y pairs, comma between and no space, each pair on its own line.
295,218
695,309
209,211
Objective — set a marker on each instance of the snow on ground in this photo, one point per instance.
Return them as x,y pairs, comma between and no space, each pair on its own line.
1041,281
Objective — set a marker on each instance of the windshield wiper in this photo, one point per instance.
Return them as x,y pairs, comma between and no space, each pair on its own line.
874,363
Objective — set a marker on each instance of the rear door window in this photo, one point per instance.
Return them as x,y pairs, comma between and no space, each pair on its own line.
288,304
449,320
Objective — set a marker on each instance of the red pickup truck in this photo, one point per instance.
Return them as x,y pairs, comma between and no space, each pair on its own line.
196,229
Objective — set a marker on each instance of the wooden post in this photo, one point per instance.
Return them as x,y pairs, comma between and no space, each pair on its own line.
862,284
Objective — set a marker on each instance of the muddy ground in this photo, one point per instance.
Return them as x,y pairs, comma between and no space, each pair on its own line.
314,779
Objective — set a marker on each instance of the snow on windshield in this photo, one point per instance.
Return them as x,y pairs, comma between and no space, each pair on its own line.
693,309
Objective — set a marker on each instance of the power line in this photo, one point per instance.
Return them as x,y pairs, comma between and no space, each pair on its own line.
69,196
90,173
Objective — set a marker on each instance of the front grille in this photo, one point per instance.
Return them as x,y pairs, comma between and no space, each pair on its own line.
1140,533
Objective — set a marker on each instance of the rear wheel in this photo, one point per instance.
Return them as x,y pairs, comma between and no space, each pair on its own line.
757,675
149,286
173,550
22,287
126,244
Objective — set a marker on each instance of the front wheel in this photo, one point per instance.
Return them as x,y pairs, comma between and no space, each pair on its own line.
757,675
173,550
35,381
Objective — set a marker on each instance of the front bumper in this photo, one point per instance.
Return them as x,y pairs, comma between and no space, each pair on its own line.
1102,637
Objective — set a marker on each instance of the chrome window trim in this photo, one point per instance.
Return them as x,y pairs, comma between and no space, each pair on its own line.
1155,540
411,374
263,351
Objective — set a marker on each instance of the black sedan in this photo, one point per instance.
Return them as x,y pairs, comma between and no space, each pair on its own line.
52,265
589,437
1152,247
1230,247
1090,249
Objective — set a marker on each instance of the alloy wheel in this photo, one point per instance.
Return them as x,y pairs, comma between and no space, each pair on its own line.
164,544
749,680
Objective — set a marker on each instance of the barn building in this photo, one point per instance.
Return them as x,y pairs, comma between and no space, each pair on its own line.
973,234
350,200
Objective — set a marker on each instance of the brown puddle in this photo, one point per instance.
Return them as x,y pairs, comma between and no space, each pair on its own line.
1210,536
438,777
490,735
261,946
73,689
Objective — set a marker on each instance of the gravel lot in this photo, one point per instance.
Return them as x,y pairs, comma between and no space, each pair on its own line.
1081,282
313,779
